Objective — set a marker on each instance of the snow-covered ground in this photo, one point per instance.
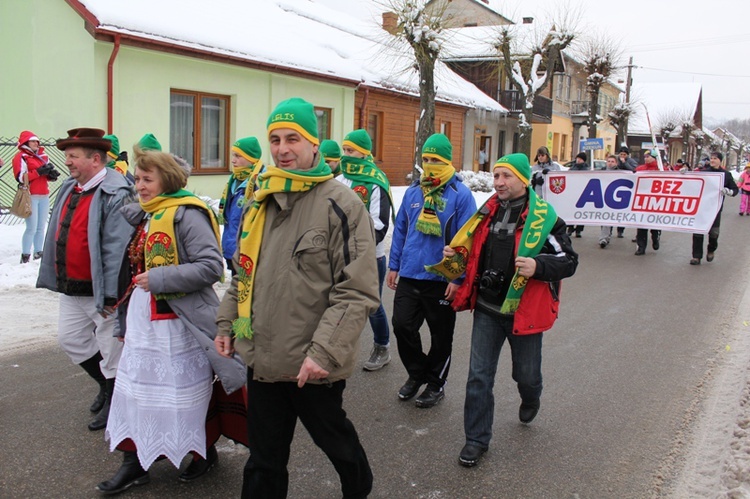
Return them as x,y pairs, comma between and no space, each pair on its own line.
715,461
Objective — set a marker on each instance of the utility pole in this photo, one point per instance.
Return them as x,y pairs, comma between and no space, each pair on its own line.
628,84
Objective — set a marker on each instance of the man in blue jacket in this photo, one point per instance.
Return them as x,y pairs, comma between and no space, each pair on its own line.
431,212
246,165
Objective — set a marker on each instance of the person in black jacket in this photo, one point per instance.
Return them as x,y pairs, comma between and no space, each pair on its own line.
580,165
730,189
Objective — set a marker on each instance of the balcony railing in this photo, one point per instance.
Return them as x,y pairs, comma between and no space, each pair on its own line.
579,107
513,101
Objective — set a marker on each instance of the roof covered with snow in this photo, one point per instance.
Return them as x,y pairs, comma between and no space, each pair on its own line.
663,101
298,35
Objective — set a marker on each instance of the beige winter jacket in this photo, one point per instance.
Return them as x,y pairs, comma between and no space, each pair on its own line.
316,283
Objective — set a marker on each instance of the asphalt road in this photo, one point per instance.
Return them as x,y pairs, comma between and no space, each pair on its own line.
626,367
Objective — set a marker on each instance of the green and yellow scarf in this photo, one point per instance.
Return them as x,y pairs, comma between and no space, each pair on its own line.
239,175
433,180
161,244
540,219
273,180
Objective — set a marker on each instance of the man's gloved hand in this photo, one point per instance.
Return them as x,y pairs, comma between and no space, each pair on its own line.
545,171
727,191
44,170
537,180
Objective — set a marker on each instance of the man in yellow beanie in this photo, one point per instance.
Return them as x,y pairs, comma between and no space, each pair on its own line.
306,282
514,251
431,212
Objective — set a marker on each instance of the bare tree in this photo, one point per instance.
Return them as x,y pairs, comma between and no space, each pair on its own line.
422,29
530,68
601,57
618,118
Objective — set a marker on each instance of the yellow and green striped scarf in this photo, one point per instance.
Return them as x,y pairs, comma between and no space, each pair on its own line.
272,181
239,174
161,244
433,180
540,220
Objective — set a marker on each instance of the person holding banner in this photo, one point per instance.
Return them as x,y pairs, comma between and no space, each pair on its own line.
729,189
641,237
606,231
515,251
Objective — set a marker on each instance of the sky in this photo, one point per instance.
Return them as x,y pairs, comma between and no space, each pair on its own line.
669,40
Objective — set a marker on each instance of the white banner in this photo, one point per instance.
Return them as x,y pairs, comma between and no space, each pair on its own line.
671,201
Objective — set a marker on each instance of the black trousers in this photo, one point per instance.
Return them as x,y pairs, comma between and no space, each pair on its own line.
417,301
272,412
641,237
713,239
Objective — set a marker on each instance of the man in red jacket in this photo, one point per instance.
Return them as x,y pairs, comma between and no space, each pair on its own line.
518,253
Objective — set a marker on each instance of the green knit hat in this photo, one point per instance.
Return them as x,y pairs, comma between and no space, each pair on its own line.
297,114
359,140
114,151
149,143
518,163
248,148
438,146
330,150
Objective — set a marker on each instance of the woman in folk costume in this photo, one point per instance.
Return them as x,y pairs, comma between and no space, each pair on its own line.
360,174
32,160
513,252
744,184
163,389
246,165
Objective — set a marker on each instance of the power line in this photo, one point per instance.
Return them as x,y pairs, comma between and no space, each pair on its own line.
692,72
681,44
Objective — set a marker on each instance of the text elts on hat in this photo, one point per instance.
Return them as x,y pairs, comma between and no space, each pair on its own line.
359,140
438,146
85,137
296,114
518,163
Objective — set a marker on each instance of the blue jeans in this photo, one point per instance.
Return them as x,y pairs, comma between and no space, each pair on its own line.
487,337
36,224
378,320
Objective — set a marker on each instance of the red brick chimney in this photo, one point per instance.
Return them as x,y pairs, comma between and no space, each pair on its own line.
390,22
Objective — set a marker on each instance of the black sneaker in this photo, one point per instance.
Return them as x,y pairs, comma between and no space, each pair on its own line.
410,388
528,411
655,243
430,397
470,455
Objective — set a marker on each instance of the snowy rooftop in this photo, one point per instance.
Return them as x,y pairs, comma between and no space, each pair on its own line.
478,42
297,34
663,100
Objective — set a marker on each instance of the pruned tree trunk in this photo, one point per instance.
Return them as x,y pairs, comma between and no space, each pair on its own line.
426,125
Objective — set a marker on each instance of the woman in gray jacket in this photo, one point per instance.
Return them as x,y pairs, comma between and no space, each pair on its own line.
164,387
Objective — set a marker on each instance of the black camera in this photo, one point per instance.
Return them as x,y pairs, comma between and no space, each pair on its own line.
491,280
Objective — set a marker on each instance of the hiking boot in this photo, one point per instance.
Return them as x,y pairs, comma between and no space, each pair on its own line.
430,397
410,388
25,257
379,357
528,411
38,255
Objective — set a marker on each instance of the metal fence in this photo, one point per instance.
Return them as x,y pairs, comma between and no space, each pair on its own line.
9,185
